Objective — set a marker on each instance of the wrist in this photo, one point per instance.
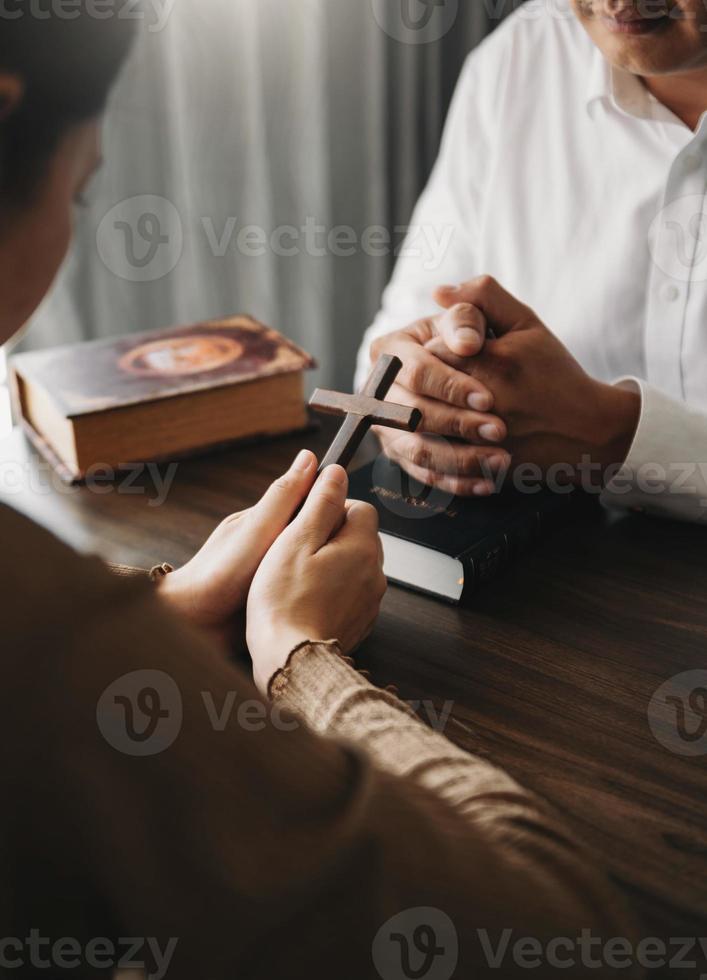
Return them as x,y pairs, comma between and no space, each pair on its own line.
176,592
615,423
272,650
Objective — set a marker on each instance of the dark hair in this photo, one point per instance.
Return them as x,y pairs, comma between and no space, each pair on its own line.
67,56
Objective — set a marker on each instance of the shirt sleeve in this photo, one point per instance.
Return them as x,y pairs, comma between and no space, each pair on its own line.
440,245
665,472
533,854
166,799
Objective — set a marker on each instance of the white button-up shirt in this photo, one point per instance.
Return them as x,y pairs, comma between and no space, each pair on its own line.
585,197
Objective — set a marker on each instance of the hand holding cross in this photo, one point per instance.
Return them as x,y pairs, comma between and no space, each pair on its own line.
364,410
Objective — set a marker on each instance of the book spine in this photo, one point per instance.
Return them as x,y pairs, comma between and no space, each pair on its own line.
488,559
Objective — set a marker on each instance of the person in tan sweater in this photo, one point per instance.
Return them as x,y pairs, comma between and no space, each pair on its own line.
334,835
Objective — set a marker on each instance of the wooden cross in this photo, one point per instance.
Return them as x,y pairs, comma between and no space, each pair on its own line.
364,410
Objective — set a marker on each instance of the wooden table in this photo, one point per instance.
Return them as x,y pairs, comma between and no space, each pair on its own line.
550,672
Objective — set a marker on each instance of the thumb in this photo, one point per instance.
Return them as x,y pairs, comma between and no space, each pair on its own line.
502,310
463,329
324,510
275,509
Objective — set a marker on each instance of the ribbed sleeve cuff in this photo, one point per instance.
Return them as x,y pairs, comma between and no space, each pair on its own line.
315,680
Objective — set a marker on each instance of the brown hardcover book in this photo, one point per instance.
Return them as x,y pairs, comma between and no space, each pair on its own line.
160,395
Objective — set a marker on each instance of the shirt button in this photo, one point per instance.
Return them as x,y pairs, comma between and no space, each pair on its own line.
670,292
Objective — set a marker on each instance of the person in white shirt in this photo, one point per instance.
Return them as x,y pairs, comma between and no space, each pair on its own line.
572,176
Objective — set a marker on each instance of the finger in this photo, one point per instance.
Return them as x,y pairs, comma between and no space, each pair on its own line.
483,399
275,509
424,374
360,533
447,420
455,459
463,329
361,524
416,333
237,518
350,505
457,486
324,510
503,311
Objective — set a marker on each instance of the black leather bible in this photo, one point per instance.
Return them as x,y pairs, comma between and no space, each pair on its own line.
449,546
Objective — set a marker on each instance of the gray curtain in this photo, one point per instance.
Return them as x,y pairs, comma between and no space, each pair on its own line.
257,155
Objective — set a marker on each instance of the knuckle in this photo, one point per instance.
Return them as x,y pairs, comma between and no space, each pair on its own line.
329,499
387,343
370,511
458,425
282,484
459,463
420,455
417,374
461,309
383,434
378,347
467,463
485,282
367,513
449,390
232,519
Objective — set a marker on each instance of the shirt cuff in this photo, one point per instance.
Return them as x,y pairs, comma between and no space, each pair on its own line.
665,472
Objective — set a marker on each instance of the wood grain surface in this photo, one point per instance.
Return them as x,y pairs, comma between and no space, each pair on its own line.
549,674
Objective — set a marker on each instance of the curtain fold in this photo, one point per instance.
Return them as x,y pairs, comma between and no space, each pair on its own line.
254,155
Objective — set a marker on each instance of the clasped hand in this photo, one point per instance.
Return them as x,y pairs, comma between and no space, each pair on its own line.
499,399
317,577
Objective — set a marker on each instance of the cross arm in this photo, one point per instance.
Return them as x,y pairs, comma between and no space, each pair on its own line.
377,412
